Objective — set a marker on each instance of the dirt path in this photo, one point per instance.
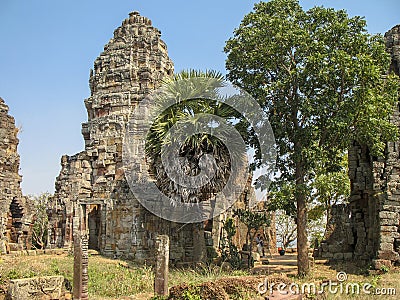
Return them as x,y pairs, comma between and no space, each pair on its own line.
278,264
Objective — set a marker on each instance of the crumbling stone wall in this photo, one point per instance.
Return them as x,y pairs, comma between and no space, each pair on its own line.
368,228
73,183
15,210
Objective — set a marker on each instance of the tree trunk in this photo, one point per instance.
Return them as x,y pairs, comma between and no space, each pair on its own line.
249,246
303,267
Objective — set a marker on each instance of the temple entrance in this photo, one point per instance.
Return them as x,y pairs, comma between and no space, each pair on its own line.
94,226
14,223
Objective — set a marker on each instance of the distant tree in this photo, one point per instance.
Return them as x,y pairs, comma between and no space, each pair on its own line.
320,77
253,221
230,252
41,221
285,229
329,189
323,191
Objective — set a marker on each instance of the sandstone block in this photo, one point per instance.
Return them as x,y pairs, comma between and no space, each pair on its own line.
338,256
386,246
36,288
388,255
388,215
389,222
348,256
378,264
256,256
327,255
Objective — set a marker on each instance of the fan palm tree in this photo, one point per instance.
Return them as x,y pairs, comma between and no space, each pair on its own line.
195,98
195,95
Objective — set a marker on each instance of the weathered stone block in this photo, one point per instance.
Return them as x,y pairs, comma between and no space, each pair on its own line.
394,208
389,222
3,247
378,264
386,228
348,256
256,256
389,255
388,215
36,288
327,255
387,238
386,246
338,256
334,248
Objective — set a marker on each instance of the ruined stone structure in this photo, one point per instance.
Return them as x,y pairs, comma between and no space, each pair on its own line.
91,183
369,227
15,210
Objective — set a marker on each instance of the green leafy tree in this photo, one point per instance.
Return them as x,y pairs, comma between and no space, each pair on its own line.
41,221
319,75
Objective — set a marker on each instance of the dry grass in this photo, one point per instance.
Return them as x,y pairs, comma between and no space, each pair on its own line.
108,278
355,275
117,279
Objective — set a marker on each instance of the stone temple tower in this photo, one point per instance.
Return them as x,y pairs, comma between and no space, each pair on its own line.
15,210
132,64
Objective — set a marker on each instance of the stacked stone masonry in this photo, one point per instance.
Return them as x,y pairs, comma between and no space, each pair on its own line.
15,210
369,227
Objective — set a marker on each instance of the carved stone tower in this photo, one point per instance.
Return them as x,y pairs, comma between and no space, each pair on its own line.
92,182
15,210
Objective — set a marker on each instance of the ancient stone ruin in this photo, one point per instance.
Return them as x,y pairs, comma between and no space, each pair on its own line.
15,210
369,227
92,194
92,184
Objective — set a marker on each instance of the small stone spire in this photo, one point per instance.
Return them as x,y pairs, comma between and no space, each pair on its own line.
392,38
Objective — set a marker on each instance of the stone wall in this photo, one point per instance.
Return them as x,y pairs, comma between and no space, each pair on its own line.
368,228
15,210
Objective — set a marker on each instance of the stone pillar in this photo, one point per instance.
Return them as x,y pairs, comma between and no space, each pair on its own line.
85,262
80,289
161,269
77,291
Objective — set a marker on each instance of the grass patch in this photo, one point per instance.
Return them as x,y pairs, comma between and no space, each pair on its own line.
114,279
108,278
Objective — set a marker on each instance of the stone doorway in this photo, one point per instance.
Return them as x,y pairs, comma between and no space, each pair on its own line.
14,223
94,222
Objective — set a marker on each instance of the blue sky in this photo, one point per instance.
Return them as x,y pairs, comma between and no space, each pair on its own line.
47,48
